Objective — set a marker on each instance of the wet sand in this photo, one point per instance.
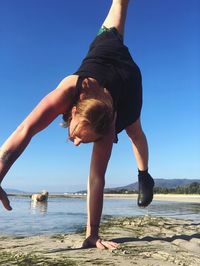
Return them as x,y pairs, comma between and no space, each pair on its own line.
145,240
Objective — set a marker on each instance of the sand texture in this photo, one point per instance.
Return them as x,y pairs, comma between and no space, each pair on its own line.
143,241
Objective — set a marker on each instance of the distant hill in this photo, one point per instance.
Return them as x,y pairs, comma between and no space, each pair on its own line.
14,191
159,182
162,183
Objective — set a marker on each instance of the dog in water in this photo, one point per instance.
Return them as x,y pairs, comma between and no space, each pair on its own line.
40,197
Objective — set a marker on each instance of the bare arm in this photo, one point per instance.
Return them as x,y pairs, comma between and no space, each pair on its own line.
100,157
46,111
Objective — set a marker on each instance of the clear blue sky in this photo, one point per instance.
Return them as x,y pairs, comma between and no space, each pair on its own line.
41,42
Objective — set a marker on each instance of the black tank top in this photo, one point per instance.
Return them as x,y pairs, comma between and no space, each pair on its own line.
110,63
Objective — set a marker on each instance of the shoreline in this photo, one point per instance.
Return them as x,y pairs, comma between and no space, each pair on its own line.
144,241
192,198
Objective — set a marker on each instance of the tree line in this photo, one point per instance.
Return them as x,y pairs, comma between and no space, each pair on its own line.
193,188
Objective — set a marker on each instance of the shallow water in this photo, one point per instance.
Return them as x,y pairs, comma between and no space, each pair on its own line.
66,215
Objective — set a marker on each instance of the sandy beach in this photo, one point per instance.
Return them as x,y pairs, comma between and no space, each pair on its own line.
178,197
145,240
195,198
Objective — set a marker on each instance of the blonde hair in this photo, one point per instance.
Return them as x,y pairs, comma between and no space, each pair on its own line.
97,114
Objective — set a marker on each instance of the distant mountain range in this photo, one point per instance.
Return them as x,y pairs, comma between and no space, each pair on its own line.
162,183
14,191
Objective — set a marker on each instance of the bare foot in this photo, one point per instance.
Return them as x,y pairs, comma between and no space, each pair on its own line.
91,242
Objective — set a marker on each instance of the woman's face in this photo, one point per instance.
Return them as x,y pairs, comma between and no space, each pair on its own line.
78,133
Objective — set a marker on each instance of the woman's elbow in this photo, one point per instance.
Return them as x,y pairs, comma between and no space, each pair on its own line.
24,130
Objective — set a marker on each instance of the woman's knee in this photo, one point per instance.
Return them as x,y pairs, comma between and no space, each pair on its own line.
134,131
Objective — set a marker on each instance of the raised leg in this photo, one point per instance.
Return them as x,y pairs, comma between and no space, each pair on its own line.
140,148
117,15
139,144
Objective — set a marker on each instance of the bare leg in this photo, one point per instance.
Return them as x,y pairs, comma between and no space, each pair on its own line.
117,15
139,143
140,148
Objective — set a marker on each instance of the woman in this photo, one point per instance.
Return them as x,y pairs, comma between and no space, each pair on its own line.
98,101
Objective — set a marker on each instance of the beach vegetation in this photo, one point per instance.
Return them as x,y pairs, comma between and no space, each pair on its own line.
28,259
193,188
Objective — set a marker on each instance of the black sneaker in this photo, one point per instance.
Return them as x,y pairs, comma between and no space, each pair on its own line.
146,184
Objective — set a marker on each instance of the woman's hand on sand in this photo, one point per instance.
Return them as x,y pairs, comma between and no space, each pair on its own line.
5,200
91,242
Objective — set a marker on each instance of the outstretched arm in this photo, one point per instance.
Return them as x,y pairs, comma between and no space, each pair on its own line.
100,157
46,111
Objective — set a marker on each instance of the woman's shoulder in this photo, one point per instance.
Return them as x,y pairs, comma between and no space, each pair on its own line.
65,93
67,87
68,82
